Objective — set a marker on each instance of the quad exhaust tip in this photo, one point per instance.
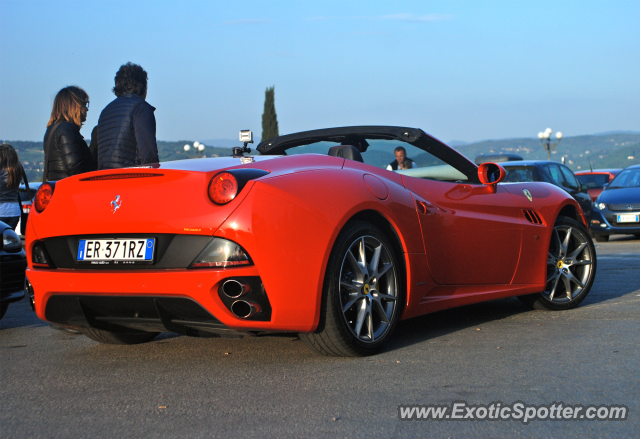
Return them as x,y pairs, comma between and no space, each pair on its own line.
234,289
243,309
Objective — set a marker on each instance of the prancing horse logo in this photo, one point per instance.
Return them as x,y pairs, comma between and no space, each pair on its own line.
116,204
528,194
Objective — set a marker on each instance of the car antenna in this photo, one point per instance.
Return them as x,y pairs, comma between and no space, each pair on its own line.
246,137
590,165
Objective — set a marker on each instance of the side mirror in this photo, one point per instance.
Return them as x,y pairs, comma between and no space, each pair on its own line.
606,185
491,174
584,187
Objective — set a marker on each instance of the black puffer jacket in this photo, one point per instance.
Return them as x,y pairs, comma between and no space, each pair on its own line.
66,153
127,133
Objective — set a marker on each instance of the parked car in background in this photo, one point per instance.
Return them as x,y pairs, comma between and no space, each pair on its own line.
496,158
13,263
617,209
550,172
596,180
26,198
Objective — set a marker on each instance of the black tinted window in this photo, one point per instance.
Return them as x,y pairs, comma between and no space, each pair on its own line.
571,181
517,174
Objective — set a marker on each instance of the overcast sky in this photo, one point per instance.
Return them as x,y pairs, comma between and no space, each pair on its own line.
460,70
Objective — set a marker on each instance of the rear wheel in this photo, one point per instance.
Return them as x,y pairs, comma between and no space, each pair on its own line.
108,337
571,268
362,294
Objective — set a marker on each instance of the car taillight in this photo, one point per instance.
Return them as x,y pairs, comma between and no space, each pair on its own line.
43,196
223,187
221,253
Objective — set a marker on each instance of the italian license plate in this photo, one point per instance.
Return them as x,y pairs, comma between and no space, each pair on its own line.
125,251
627,218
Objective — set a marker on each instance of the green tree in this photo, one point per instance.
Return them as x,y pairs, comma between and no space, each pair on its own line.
269,117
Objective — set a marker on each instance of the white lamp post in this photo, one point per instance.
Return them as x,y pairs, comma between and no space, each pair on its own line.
545,140
198,148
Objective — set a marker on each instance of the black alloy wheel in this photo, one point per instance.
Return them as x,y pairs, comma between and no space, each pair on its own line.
571,268
362,295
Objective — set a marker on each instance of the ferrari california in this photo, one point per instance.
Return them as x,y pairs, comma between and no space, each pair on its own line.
334,234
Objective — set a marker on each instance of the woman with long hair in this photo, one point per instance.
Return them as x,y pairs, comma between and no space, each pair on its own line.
65,151
10,177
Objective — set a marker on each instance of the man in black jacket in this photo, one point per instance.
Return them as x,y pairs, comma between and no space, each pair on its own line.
126,131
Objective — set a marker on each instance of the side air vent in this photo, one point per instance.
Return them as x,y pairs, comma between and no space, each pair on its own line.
532,216
121,176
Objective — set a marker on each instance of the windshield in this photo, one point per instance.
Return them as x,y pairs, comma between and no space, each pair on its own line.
395,156
627,178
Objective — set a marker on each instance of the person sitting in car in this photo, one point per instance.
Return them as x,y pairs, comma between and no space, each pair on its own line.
401,161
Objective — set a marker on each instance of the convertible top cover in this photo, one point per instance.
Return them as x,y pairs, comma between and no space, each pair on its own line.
354,136
357,136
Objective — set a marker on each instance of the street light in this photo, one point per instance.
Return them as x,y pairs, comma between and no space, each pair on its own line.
545,140
197,147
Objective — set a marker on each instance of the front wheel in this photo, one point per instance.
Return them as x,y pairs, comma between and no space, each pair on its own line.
362,294
571,268
108,337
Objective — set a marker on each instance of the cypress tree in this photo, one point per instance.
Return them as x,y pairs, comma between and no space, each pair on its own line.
269,117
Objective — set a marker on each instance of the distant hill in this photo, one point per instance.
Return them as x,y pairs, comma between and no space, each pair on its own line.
32,155
225,143
456,143
612,150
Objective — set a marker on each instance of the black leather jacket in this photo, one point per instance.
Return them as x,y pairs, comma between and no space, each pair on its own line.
66,153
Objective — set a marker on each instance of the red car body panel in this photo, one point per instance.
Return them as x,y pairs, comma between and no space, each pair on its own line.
461,243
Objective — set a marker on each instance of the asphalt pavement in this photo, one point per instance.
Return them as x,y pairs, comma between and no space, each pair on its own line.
58,385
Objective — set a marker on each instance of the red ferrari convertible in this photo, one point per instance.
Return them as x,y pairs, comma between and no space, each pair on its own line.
335,234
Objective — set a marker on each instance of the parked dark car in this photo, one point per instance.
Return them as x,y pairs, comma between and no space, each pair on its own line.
13,263
617,209
496,158
597,180
26,198
550,172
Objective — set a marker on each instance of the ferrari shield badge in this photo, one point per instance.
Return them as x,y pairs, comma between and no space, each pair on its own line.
528,194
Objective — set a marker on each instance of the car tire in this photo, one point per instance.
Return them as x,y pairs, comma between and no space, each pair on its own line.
108,337
363,293
3,309
637,235
602,238
571,268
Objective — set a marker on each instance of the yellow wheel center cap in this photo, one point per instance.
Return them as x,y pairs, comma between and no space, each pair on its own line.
366,288
560,265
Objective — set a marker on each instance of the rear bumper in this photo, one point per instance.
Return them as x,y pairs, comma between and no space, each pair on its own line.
102,291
